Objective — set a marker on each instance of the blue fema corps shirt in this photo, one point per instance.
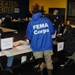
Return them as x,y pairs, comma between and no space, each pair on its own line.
39,31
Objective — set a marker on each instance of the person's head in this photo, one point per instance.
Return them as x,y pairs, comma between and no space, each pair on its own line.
68,22
36,9
55,12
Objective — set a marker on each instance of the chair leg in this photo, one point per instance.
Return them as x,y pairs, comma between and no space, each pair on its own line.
62,66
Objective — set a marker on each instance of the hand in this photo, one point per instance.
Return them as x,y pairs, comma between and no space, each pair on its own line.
59,35
54,42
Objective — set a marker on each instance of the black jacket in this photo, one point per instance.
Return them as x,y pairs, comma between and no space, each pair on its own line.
69,41
55,19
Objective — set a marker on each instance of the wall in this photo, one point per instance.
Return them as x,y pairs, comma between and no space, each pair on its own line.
48,4
14,8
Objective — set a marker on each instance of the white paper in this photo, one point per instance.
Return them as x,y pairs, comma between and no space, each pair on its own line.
19,43
6,43
23,59
60,46
6,52
0,54
22,47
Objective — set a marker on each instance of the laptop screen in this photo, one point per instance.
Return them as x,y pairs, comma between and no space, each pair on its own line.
6,43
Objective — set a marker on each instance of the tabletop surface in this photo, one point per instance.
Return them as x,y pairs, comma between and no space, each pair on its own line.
5,30
22,48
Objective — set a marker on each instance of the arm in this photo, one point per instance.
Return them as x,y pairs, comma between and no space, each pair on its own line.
29,32
66,35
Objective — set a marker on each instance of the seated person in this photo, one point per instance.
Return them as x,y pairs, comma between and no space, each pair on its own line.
28,15
68,37
63,29
7,22
9,59
64,26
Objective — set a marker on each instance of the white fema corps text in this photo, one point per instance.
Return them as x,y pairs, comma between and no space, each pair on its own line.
41,28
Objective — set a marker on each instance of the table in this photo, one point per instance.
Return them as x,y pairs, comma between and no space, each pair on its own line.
16,50
6,30
73,26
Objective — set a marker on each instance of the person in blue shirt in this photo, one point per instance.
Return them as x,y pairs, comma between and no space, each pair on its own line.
9,59
39,32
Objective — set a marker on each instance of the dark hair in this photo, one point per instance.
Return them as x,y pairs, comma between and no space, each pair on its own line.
36,9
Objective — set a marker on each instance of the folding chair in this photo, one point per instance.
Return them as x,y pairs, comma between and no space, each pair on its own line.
60,46
70,58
